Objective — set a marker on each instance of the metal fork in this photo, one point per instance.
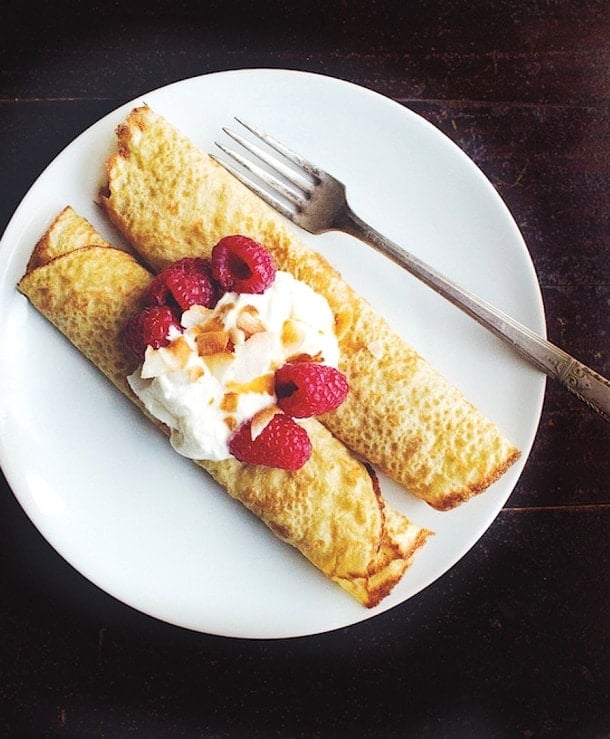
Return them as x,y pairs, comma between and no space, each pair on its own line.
317,202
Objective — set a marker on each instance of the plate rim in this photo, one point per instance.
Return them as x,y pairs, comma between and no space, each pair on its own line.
13,224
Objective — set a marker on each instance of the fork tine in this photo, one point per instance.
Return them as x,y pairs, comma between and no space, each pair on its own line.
289,173
264,176
291,155
263,194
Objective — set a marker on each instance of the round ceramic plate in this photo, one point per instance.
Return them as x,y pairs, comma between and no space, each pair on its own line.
148,526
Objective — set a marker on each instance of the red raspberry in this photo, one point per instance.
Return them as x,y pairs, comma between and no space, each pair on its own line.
149,327
184,283
242,265
282,443
307,389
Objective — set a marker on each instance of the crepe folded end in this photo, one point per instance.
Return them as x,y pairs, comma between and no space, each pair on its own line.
171,200
333,512
67,232
331,509
87,294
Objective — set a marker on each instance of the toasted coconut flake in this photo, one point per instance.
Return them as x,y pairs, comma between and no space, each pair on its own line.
249,321
194,315
261,420
303,357
195,373
261,384
252,357
231,422
211,325
236,336
212,342
225,308
157,362
177,352
229,402
219,363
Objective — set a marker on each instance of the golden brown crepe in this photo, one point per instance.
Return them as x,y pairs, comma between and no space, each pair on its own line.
68,231
331,509
171,200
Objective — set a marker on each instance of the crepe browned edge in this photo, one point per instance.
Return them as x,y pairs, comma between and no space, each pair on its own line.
331,509
171,200
67,232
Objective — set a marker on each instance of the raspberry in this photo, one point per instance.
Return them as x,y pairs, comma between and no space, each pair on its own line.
307,389
184,283
149,327
242,265
282,443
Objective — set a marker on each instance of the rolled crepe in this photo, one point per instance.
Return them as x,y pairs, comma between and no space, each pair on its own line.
171,200
331,509
69,231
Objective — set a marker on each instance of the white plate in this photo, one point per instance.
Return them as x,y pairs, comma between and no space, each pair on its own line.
149,527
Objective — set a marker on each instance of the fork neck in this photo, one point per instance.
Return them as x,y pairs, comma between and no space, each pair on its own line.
346,220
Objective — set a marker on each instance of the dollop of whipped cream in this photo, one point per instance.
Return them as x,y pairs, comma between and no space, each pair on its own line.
220,370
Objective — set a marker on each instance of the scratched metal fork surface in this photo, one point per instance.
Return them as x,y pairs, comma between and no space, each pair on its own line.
317,202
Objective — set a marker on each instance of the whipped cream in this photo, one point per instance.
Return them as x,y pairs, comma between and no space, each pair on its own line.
220,370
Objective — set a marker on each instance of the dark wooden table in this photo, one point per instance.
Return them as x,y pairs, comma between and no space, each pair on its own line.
514,641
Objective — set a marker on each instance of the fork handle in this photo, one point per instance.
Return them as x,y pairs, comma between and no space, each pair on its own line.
580,380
